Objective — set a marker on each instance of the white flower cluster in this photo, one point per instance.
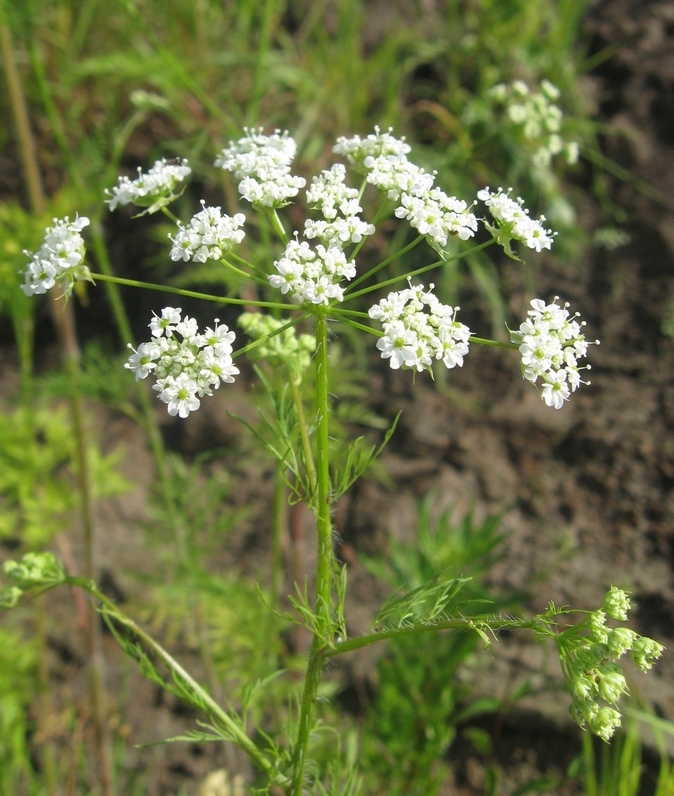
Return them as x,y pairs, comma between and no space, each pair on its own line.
154,189
357,150
513,221
383,159
539,118
312,275
209,235
261,163
437,215
550,344
59,259
187,369
339,206
418,329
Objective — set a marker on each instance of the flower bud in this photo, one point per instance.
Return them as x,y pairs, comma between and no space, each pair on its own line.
605,722
612,683
645,652
617,603
598,626
620,639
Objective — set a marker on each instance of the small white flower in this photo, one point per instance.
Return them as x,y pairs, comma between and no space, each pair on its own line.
166,323
539,119
179,392
383,159
59,259
261,163
151,190
395,176
550,344
513,221
418,328
186,369
437,216
338,204
310,275
376,144
555,390
144,359
209,235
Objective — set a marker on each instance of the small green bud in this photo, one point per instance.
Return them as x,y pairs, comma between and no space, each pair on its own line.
590,656
620,640
598,653
583,687
645,652
605,722
583,711
278,348
597,624
612,684
35,569
10,597
617,603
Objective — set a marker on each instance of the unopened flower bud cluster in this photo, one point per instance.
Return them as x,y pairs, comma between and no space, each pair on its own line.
419,329
59,260
34,571
550,344
188,368
595,679
539,118
278,346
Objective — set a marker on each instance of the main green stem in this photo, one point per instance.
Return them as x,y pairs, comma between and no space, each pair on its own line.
322,634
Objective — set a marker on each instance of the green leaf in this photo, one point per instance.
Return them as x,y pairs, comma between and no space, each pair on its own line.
359,460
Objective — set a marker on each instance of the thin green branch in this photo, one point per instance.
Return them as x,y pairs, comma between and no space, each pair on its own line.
394,280
476,625
381,265
236,733
179,291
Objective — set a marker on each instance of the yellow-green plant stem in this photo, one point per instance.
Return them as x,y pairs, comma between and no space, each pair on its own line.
369,274
476,625
304,433
271,11
322,630
279,530
418,271
233,729
179,291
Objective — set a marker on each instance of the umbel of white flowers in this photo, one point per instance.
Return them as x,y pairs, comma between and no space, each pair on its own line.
317,265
